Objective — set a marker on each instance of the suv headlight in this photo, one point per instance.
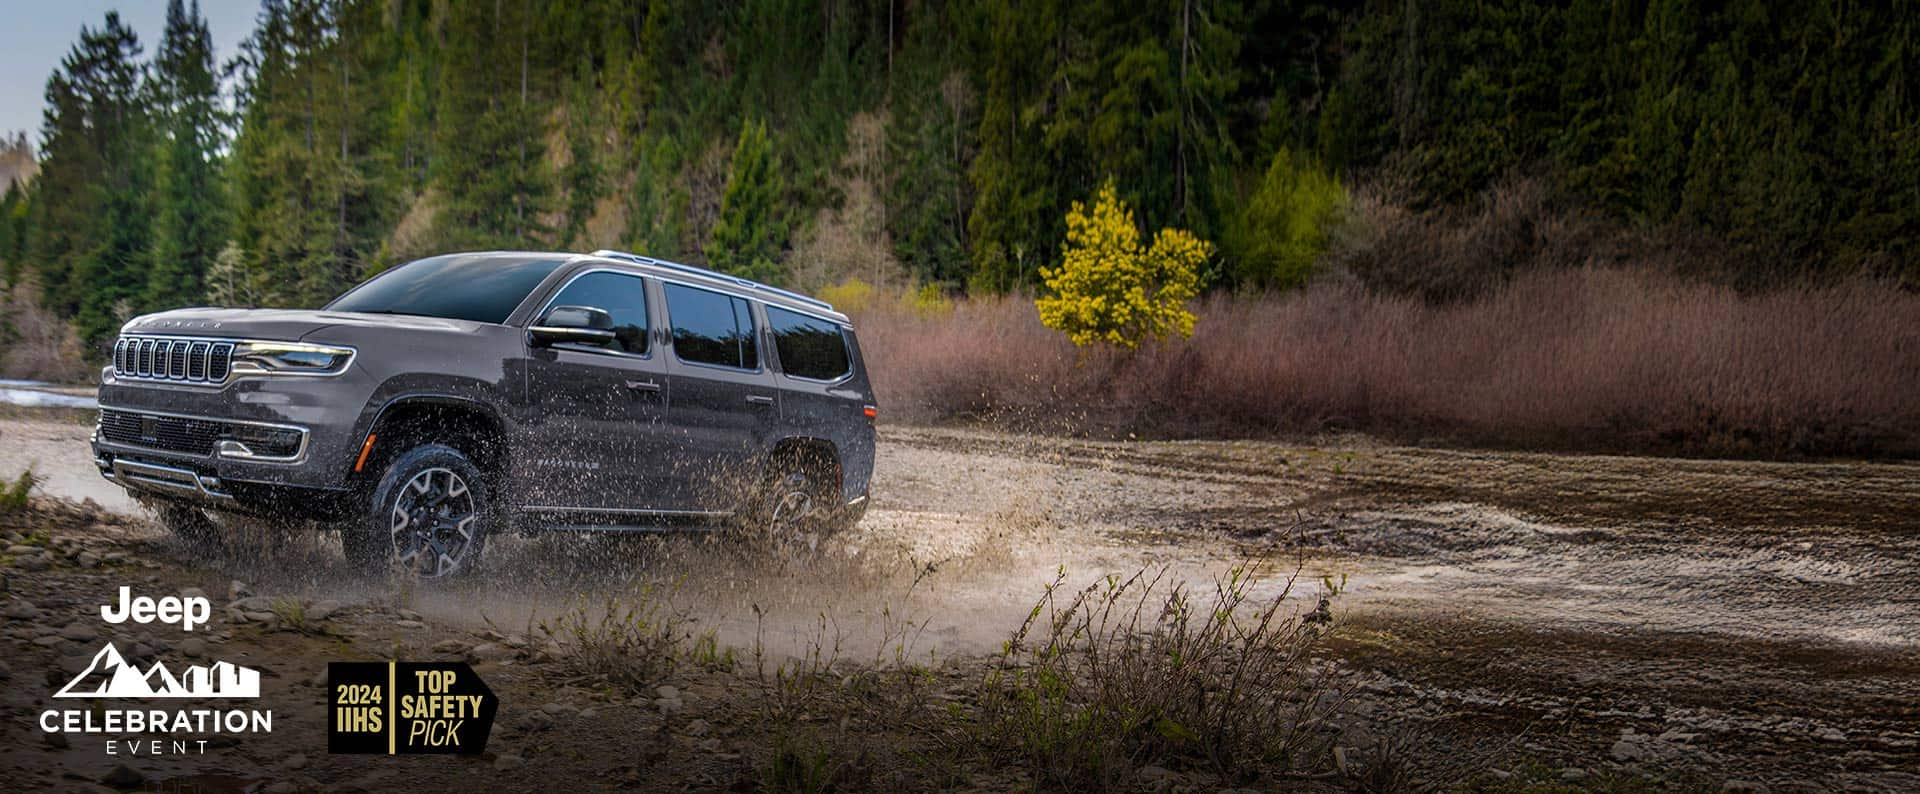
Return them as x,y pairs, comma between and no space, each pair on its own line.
289,358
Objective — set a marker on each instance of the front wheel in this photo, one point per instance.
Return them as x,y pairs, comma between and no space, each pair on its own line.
428,516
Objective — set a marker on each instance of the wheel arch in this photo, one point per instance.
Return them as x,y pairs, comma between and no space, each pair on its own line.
405,421
809,450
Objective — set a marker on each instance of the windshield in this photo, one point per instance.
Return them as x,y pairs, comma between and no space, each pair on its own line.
479,287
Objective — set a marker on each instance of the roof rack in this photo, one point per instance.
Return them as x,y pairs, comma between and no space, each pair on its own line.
714,274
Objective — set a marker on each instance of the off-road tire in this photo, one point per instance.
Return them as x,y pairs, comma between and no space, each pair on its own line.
428,516
794,514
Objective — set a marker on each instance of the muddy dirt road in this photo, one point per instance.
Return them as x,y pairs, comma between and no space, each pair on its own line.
1712,621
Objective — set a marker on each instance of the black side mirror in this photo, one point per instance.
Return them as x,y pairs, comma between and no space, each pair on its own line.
585,325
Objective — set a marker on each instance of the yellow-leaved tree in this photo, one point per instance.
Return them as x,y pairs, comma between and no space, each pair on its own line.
1108,289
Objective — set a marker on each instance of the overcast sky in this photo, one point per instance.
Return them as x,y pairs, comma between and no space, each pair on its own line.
36,34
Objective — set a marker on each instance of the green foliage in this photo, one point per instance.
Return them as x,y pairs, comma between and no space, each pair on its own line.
370,131
1109,289
749,236
1282,229
490,152
90,236
189,226
15,496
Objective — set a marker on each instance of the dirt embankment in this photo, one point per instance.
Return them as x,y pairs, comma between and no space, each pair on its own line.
1587,618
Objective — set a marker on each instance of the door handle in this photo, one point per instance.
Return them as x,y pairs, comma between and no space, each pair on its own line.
644,385
760,399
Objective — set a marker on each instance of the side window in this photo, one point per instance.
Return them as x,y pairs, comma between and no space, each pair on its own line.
809,347
623,297
711,328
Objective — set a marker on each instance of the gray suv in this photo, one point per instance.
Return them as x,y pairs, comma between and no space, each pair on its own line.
462,395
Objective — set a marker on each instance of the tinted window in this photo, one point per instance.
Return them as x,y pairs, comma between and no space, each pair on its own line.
483,288
711,328
622,297
809,347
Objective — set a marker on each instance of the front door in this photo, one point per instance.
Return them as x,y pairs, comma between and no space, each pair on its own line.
722,397
598,412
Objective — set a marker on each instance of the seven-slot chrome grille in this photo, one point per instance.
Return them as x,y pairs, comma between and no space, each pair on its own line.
179,359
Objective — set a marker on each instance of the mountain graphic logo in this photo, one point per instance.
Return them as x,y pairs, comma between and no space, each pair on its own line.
110,676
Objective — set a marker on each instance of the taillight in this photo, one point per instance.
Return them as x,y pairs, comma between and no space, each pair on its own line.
870,411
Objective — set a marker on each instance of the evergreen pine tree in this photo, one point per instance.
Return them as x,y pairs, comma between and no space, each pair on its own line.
750,234
189,208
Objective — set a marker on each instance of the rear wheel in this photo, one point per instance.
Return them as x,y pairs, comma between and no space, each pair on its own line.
795,515
428,517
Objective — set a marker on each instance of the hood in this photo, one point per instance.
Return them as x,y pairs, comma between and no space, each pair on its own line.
287,325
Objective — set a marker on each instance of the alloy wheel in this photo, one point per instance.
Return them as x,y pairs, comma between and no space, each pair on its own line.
433,523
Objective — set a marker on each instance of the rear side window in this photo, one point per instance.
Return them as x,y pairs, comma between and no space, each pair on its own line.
622,297
809,347
711,328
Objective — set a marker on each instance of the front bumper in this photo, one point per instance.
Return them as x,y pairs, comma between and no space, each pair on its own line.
325,412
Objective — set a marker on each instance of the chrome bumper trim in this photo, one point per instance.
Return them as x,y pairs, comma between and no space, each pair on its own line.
167,480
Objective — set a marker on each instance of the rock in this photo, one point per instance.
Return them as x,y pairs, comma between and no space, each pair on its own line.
18,550
79,631
123,776
1340,761
252,604
1154,774
37,562
490,652
295,761
558,709
669,701
506,762
321,610
1626,751
194,647
56,740
1830,735
238,590
409,624
87,559
453,647
1572,774
1743,787
697,728
585,714
21,609
262,617
192,592
5,672
534,721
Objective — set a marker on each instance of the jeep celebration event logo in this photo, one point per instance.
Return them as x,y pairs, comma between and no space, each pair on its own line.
111,677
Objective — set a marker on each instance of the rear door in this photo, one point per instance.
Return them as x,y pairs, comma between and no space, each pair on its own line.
722,397
598,412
